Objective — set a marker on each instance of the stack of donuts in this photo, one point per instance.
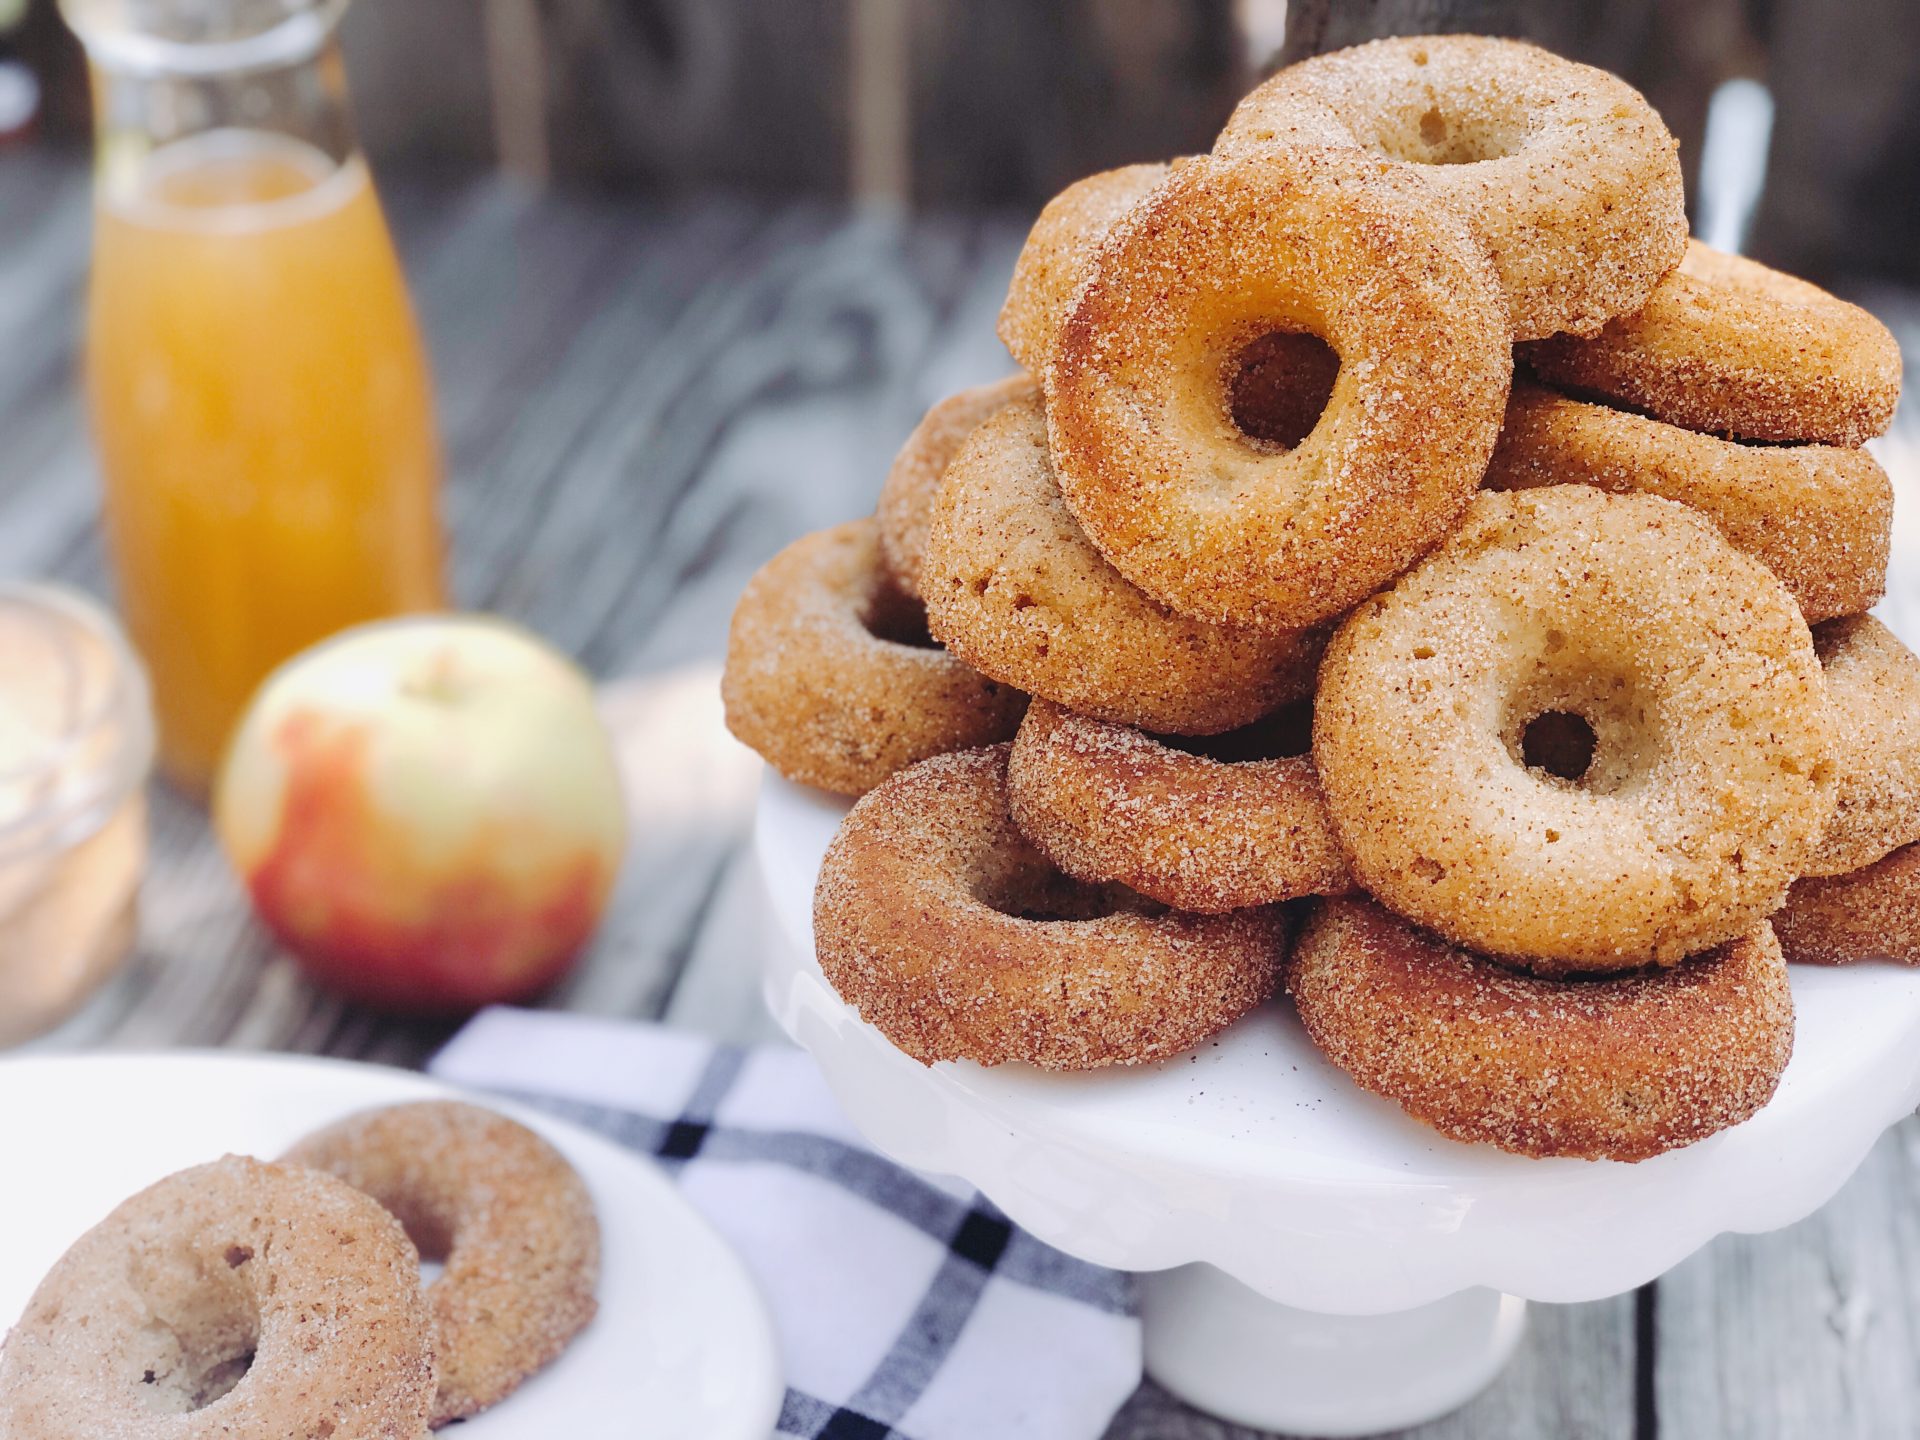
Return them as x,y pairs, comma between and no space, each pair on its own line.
1389,579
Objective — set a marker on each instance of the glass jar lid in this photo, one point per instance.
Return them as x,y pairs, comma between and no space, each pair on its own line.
76,725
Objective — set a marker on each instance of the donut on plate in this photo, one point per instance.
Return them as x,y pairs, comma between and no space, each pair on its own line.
1586,734
1873,699
906,498
1230,529
1622,1068
943,927
830,675
1872,913
1819,517
502,1211
1564,173
1727,346
233,1299
1015,590
1207,832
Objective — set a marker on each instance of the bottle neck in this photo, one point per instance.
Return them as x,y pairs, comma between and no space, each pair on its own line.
163,104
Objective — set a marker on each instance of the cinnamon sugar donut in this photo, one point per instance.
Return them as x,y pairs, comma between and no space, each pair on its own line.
906,499
1705,780
1819,517
236,1299
1727,346
829,675
1873,697
1872,913
1053,262
1282,381
1232,530
1615,1069
942,926
1200,832
1015,589
1564,173
512,1222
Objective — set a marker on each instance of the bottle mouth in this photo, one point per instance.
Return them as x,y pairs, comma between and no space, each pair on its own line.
76,721
184,38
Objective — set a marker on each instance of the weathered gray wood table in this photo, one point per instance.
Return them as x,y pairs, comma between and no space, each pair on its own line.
641,404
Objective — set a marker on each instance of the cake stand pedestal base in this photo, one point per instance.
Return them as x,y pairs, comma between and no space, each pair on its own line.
1231,1352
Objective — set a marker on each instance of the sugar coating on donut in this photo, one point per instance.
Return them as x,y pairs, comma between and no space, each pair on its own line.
1819,517
1015,589
830,675
1622,1068
233,1299
1873,698
1281,382
946,929
906,498
1212,522
508,1217
1053,263
1727,346
1872,913
1109,802
1564,173
1709,779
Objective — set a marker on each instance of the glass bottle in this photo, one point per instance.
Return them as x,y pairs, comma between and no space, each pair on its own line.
259,393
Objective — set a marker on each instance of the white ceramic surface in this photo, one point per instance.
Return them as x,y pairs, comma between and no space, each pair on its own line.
1253,1154
682,1347
1223,1347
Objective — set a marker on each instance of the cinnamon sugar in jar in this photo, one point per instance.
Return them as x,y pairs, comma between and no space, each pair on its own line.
76,745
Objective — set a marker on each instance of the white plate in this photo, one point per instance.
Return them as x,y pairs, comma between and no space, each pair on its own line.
682,1346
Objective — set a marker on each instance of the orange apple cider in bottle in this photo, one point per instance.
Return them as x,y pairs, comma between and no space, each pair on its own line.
259,393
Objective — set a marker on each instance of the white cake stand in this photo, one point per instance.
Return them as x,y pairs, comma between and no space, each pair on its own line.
1315,1261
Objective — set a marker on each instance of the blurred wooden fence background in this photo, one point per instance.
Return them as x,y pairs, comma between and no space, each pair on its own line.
970,102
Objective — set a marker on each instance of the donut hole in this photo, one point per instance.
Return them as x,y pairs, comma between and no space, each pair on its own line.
1431,135
199,1339
1561,743
1278,385
1285,733
429,1223
1598,737
898,619
1583,718
1028,887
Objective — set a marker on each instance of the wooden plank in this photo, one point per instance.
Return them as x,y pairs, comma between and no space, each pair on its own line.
1811,1330
45,210
767,407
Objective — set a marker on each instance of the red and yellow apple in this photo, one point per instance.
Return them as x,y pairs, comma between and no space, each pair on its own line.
427,812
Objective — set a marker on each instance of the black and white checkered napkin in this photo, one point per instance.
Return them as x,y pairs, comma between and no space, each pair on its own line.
905,1306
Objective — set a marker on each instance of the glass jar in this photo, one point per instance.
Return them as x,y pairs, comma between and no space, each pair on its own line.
259,392
76,745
